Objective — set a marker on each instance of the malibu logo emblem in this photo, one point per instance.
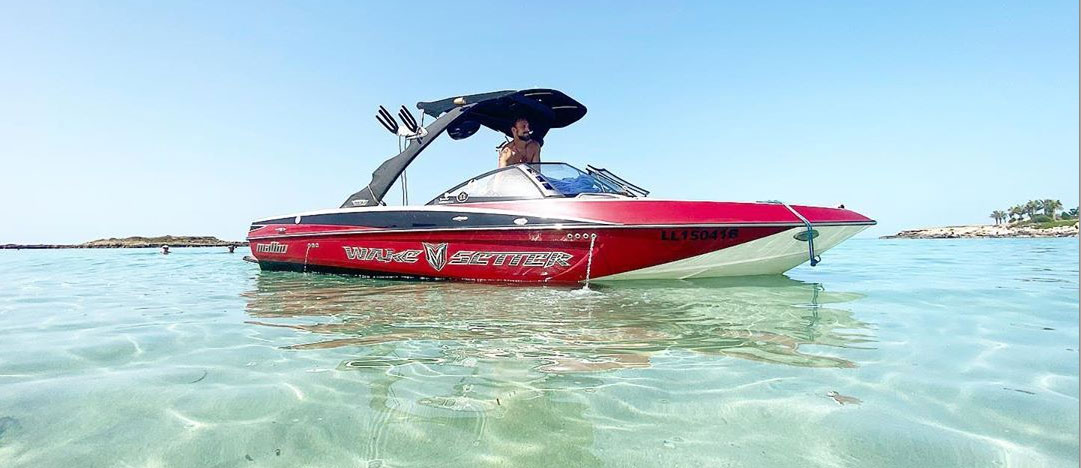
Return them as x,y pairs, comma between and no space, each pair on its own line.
436,254
272,247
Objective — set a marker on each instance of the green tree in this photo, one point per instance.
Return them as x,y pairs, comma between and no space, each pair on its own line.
1050,207
1016,213
1031,207
999,216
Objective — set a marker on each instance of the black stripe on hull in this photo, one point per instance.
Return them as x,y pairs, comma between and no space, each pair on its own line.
360,272
382,275
572,226
417,219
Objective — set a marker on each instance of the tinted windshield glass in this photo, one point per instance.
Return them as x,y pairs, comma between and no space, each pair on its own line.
570,181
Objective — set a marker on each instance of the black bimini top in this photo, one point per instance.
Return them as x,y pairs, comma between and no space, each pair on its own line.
463,116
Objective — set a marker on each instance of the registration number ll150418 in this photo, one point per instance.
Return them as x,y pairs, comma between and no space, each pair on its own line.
698,234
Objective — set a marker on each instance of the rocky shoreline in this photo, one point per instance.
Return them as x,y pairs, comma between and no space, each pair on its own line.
135,242
985,231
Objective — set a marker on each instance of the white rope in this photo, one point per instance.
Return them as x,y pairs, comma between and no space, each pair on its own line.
589,261
310,245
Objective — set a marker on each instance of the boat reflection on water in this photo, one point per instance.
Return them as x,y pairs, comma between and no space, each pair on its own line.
465,374
560,330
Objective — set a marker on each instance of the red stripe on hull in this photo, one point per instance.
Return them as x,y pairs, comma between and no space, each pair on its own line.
505,255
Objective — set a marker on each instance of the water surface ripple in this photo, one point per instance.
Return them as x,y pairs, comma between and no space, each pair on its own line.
891,353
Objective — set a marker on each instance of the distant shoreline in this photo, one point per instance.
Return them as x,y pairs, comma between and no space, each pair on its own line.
137,242
986,231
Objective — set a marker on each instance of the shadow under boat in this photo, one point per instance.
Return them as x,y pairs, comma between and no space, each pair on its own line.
562,329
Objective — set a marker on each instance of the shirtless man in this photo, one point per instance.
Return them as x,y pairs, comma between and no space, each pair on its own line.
521,149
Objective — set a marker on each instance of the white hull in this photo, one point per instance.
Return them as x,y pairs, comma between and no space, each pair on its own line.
771,255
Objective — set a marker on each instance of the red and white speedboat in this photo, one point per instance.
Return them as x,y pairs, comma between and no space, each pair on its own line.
546,222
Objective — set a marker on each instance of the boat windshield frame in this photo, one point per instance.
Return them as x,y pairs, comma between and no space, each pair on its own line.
605,186
534,172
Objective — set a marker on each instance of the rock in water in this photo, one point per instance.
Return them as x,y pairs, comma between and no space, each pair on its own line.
843,399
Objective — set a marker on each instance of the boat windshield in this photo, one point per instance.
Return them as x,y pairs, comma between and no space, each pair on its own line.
508,183
570,181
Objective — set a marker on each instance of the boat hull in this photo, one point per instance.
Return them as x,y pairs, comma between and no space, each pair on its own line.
553,241
552,255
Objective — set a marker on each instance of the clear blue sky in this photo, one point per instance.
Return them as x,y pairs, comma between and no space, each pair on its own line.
128,118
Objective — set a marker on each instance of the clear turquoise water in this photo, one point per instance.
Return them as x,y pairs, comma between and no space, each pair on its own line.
960,353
